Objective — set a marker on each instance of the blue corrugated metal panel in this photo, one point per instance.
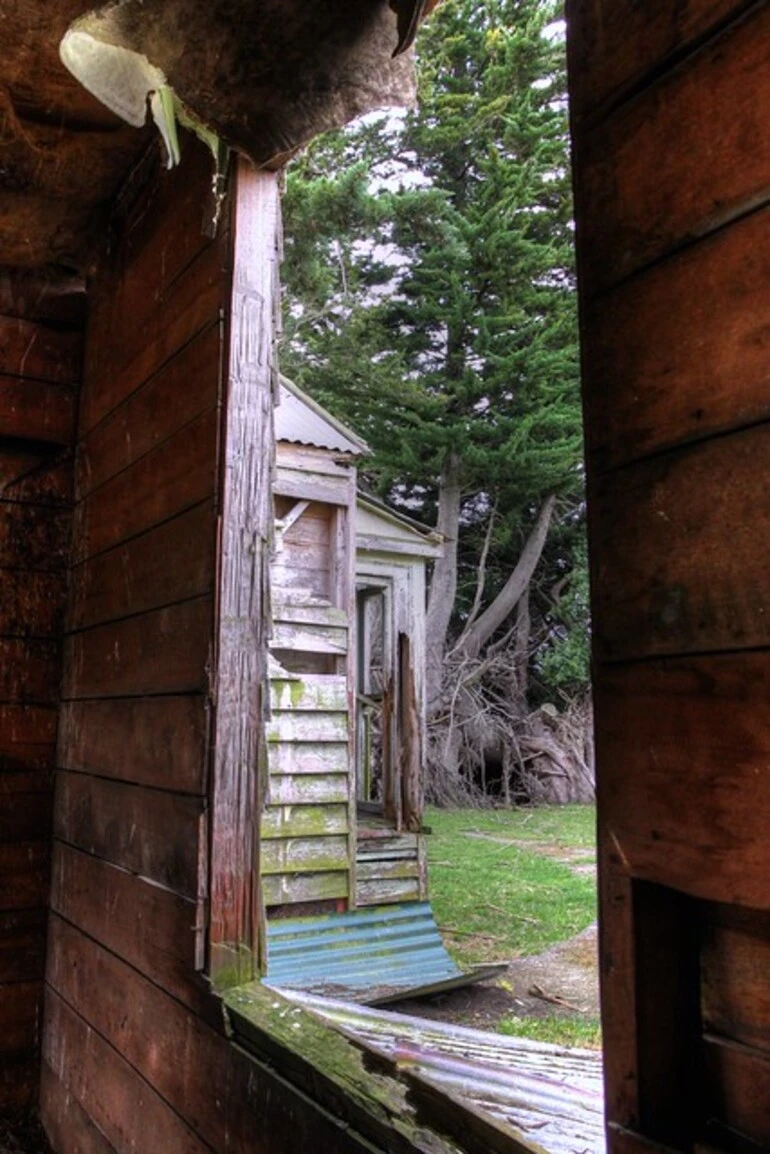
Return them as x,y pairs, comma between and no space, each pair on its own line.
370,955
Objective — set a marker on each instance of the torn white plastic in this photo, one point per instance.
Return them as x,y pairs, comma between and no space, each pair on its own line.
120,78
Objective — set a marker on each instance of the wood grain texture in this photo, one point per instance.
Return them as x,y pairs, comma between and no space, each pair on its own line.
34,536
171,478
684,158
735,975
614,46
148,832
35,411
671,730
241,656
737,1078
164,651
32,350
150,927
136,576
24,875
184,388
156,741
705,371
117,1101
67,1124
665,578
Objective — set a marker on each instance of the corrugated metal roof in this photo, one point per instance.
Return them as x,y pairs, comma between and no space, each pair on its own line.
302,421
549,1094
373,955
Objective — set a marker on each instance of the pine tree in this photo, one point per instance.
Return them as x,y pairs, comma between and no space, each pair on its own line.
431,303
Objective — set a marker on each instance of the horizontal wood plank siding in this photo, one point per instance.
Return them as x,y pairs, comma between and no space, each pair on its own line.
672,182
40,365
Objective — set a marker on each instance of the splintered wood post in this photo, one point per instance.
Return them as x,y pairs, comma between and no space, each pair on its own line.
243,611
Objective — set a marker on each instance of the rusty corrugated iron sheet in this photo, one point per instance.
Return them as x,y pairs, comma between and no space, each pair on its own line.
552,1096
373,955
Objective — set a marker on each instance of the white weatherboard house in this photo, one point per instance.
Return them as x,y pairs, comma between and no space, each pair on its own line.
341,827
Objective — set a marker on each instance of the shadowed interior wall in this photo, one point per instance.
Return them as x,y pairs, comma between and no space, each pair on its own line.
672,159
40,346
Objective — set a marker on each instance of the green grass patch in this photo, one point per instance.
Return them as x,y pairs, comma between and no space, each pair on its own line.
561,1031
495,899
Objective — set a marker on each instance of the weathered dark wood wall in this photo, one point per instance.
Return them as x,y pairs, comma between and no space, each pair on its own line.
135,1055
673,210
40,352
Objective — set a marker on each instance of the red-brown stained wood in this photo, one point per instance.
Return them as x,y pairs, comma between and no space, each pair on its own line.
164,651
241,658
116,1099
136,577
28,475
684,158
230,1100
24,870
151,741
149,832
681,729
27,735
30,349
22,945
706,369
46,296
683,551
736,1094
36,411
32,604
614,45
67,1125
735,975
34,536
29,669
622,1141
173,477
151,928
183,389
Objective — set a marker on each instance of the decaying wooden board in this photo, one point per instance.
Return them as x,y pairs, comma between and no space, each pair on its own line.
173,477
665,580
149,832
711,710
304,821
736,1084
640,189
66,1122
296,855
706,370
735,975
243,579
152,928
307,789
312,727
33,350
382,891
614,46
32,410
157,741
326,694
290,889
308,757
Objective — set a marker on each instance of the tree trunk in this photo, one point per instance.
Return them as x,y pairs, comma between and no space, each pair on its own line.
494,616
443,586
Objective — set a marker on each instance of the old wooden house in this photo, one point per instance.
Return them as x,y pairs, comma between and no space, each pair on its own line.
136,381
341,826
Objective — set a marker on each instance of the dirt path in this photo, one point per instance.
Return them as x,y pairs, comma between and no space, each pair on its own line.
563,980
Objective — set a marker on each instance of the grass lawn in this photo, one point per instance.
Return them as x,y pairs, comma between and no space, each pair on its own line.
494,897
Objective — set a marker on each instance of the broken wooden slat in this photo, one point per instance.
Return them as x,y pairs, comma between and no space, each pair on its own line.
282,889
317,692
372,893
